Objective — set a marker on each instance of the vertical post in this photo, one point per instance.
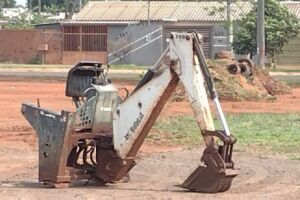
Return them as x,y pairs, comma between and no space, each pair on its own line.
43,57
66,9
80,4
148,13
230,26
40,6
80,38
261,33
30,10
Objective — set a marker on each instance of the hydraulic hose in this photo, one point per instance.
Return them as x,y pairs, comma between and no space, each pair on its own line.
209,81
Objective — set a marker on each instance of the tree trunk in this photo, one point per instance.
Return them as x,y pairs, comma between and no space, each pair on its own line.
66,9
70,6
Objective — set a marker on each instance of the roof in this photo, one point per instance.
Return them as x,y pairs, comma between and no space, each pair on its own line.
159,11
113,11
96,22
53,25
293,7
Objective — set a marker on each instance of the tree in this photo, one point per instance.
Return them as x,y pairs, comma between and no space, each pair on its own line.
7,3
280,27
71,6
57,4
25,20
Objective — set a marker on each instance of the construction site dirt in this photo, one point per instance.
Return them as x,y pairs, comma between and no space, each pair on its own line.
161,168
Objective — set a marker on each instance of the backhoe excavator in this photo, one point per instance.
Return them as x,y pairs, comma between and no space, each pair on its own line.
101,139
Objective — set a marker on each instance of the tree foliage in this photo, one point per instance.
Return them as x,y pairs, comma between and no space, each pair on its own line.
7,3
26,20
72,6
280,27
46,4
56,6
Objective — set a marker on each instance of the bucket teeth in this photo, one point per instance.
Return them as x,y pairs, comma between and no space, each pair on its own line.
206,179
218,170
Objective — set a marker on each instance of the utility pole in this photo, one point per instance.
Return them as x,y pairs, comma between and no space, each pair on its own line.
30,10
80,4
230,26
261,33
40,6
148,13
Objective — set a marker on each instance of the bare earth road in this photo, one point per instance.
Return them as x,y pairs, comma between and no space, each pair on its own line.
160,168
156,177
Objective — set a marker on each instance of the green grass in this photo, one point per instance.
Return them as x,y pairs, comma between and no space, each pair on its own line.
284,70
277,133
293,81
11,65
132,67
60,66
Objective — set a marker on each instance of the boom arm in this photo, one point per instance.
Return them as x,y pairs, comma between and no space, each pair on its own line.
134,117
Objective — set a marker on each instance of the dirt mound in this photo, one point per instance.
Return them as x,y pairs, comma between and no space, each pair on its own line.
224,55
237,87
272,86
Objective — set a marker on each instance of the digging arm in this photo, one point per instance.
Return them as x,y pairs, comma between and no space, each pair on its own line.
135,116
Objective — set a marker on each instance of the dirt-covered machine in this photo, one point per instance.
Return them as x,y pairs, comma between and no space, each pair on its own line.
102,137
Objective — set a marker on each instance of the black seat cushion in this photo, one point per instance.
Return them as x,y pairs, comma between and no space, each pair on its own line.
80,77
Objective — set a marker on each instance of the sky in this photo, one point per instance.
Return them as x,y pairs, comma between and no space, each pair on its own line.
21,2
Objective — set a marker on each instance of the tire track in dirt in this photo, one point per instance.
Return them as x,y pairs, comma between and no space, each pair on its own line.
156,176
257,175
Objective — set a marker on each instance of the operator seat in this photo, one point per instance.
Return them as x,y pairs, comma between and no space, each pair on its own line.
81,76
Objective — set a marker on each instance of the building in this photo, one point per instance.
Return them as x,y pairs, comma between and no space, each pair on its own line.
133,32
136,32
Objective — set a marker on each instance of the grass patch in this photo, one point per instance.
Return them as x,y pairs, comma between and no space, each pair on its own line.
16,66
180,130
60,66
283,70
279,133
293,81
129,67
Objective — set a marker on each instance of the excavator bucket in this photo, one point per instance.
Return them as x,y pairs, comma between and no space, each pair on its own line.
206,179
218,170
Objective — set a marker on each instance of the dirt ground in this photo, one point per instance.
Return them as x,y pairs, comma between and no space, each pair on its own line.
160,167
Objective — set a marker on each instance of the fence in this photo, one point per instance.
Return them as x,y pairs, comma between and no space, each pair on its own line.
31,46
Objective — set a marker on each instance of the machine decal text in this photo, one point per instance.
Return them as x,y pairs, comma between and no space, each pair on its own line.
134,126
